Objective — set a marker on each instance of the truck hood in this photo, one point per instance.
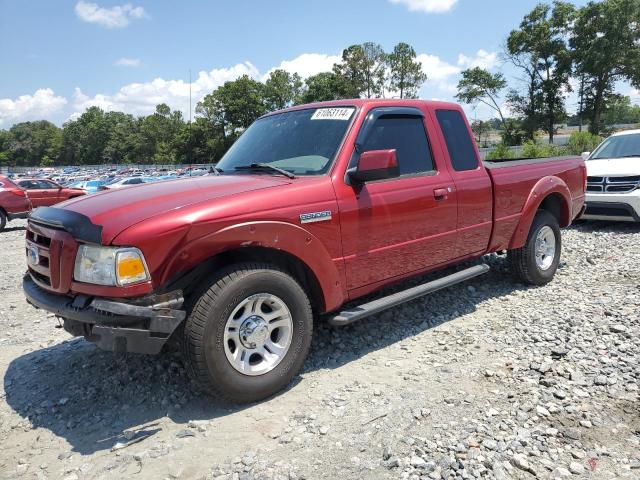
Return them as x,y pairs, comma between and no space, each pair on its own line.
613,167
117,210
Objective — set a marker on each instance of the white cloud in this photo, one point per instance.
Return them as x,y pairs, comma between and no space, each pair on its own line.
115,17
427,6
307,64
142,98
482,59
435,67
127,62
43,103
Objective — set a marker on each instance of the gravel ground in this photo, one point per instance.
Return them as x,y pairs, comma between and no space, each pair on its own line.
489,379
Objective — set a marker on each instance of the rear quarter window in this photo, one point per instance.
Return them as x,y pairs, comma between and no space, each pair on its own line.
456,135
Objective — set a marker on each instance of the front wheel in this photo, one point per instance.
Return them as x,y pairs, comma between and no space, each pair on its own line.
3,220
249,333
537,261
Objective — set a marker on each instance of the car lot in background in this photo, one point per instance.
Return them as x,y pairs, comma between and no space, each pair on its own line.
613,183
95,179
18,197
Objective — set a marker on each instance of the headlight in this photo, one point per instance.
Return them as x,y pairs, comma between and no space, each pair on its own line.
110,266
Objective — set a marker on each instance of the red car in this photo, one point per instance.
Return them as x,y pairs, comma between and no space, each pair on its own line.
18,197
314,207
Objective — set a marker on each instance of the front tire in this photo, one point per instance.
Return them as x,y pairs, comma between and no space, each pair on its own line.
537,261
248,333
3,220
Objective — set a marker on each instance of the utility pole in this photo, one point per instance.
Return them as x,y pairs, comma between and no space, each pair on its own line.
190,152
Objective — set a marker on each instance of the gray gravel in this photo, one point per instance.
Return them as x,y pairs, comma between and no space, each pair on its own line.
485,380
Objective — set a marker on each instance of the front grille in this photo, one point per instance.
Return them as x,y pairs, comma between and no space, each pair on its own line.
38,239
56,253
613,184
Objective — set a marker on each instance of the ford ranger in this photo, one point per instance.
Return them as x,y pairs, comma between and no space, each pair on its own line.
313,208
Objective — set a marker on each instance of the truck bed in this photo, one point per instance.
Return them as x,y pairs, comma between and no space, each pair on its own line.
510,162
513,182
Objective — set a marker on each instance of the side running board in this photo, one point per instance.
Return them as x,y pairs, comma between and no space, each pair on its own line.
362,311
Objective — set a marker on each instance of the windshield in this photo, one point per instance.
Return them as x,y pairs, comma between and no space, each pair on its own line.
303,142
617,147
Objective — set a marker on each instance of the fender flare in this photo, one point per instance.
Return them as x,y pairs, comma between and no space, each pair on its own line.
546,186
282,236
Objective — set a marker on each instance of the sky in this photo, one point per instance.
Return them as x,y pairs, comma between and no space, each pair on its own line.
59,57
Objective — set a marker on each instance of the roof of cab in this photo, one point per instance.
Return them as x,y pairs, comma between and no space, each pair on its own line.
381,102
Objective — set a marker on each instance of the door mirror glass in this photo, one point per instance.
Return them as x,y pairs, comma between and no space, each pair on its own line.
375,165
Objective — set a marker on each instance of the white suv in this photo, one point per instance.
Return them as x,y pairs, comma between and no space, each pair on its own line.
613,182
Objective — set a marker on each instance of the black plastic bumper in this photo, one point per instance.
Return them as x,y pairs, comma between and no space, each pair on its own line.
141,326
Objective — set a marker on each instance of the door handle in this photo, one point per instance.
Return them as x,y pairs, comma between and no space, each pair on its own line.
440,193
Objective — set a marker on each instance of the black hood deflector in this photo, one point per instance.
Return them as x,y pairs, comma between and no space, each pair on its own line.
78,225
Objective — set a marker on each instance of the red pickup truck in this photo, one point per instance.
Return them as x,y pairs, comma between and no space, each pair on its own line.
314,207
18,197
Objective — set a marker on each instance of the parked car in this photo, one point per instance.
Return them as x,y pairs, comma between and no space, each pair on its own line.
316,206
18,196
89,186
43,193
125,182
13,202
613,183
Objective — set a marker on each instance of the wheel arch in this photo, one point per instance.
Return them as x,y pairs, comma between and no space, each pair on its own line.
282,245
549,193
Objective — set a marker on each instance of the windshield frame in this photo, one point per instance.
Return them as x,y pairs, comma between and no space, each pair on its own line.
607,141
330,163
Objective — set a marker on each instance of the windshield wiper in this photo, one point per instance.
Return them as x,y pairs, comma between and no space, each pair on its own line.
266,166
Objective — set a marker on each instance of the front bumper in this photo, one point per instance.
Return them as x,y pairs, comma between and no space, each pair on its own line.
141,325
623,207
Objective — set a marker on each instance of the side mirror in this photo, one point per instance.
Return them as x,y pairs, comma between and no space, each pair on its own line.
585,155
375,165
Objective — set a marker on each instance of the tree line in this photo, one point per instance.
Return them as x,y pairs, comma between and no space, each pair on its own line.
557,48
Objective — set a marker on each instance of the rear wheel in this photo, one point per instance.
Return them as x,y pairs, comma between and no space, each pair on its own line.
537,261
3,220
249,333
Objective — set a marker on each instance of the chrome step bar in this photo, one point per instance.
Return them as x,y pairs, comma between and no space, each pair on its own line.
359,312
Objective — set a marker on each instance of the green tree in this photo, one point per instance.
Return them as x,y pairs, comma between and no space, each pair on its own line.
350,72
481,130
84,139
540,47
606,46
405,73
478,85
31,143
620,110
232,108
281,89
322,87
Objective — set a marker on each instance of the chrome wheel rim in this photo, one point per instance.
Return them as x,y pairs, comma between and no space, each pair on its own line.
258,334
545,248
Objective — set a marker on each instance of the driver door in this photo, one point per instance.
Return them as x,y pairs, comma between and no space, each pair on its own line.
397,226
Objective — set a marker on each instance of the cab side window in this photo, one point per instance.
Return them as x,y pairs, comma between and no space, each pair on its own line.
458,140
405,134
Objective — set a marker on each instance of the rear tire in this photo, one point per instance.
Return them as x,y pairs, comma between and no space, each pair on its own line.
248,333
3,220
537,261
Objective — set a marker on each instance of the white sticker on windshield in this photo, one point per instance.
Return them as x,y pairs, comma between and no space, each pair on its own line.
332,114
